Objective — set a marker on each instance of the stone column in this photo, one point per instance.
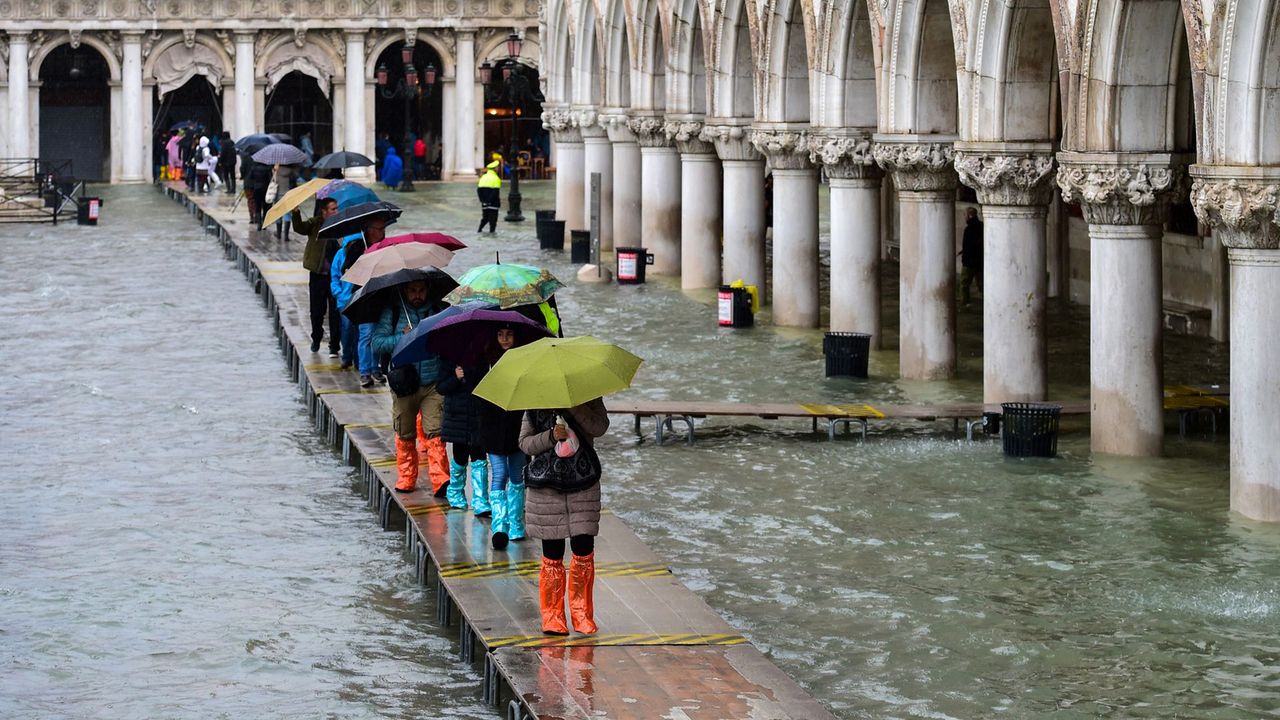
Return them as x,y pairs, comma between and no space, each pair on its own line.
795,225
626,182
357,140
1014,185
135,162
245,105
1125,198
700,231
743,202
465,108
568,160
855,230
926,185
597,158
19,113
1240,204
660,193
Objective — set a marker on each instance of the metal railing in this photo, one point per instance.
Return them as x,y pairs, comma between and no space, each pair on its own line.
35,190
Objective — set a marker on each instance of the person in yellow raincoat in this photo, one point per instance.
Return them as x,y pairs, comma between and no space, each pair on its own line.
489,188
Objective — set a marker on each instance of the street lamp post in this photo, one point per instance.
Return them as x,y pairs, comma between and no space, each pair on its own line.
514,91
407,88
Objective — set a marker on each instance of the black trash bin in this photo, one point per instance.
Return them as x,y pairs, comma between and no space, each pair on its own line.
734,307
551,234
847,353
631,264
544,215
87,212
1030,429
580,246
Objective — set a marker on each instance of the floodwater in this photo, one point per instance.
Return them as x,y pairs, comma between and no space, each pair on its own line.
175,541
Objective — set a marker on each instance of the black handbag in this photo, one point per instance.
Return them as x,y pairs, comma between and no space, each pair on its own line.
404,380
548,470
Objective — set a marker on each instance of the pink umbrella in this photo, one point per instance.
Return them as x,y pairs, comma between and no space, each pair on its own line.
448,242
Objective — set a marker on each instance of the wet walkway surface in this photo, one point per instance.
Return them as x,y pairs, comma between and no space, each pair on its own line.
911,576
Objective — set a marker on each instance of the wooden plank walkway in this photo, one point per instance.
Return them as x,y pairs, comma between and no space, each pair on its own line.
661,652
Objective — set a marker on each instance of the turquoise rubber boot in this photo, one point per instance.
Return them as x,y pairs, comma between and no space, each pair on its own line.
456,493
498,526
515,510
480,487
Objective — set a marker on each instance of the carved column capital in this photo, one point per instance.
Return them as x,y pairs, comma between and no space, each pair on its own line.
916,162
650,131
587,121
1241,204
687,136
1121,188
785,149
616,123
562,124
1007,173
844,155
733,142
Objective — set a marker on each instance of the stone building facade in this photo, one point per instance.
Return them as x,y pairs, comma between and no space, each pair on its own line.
242,50
1123,152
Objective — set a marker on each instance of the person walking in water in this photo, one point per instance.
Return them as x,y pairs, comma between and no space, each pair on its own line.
489,188
316,258
970,255
499,437
560,507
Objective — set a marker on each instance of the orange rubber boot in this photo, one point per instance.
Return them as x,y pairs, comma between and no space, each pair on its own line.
406,465
422,437
551,597
582,581
437,465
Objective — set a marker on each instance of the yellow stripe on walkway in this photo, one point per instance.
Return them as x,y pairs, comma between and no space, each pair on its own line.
858,411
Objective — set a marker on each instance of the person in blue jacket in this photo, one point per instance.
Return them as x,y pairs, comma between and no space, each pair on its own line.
392,169
342,292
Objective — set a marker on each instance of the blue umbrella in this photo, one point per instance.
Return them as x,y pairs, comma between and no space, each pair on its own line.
250,144
185,125
412,347
347,193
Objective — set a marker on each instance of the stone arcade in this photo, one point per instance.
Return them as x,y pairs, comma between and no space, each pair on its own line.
1087,130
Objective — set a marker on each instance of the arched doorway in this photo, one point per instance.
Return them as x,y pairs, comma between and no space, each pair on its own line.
297,106
424,112
195,103
75,111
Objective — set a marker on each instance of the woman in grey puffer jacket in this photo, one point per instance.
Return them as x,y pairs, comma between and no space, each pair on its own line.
552,516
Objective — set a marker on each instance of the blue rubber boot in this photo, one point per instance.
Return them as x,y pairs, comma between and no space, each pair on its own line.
498,526
480,487
515,510
456,494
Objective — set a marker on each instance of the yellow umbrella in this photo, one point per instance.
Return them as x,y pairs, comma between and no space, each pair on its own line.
293,199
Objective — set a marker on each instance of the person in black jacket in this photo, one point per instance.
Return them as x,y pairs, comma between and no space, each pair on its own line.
970,255
227,162
460,426
500,440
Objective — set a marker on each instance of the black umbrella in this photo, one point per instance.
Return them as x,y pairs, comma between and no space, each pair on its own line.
185,125
250,144
367,304
353,219
342,159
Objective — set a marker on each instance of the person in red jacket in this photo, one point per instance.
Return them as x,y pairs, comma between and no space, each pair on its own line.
419,159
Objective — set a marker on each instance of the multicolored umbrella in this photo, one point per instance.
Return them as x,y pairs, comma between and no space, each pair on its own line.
448,242
397,257
505,285
347,193
291,200
353,219
465,337
412,347
556,373
367,304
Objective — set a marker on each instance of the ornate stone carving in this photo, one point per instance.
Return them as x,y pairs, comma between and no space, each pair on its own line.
618,125
149,42
336,41
410,35
687,135
189,37
586,120
1241,204
224,39
1120,188
265,38
114,40
562,125
733,142
785,149
650,131
916,166
35,43
74,33
1007,176
844,156
4,50
300,37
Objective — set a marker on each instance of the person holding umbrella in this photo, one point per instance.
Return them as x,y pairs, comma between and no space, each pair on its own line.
317,258
360,226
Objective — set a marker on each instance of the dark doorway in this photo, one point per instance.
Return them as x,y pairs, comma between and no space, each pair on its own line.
296,107
196,102
527,126
425,110
75,111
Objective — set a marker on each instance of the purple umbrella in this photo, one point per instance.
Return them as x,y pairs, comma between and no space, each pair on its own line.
466,336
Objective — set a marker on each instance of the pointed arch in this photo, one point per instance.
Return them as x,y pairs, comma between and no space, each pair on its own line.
587,81
844,76
918,88
619,60
687,87
782,90
732,62
652,38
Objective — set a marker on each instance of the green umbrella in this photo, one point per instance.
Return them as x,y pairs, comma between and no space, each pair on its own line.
505,285
554,373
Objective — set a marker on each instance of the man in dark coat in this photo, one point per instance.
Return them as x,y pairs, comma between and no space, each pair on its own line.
971,255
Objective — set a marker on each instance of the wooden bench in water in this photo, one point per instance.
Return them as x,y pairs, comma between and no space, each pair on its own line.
661,651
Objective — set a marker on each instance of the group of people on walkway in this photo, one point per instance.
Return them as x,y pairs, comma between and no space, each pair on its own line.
203,162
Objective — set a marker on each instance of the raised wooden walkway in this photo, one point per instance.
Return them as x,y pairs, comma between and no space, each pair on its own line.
661,653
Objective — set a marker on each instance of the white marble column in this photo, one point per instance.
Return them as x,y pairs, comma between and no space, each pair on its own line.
855,230
795,226
626,182
926,185
1239,203
134,165
1014,185
244,85
1125,198
660,193
700,229
597,157
742,168
567,158
465,110
19,112
357,141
